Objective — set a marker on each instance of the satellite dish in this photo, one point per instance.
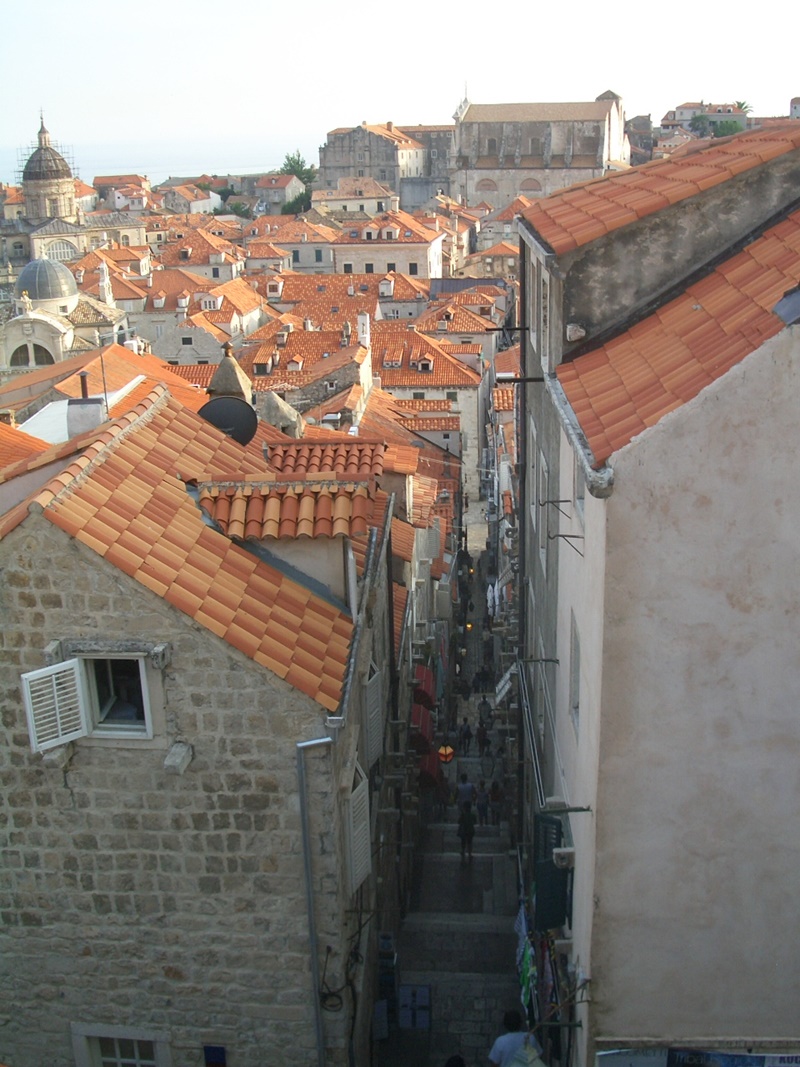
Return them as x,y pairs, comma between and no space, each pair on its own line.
234,417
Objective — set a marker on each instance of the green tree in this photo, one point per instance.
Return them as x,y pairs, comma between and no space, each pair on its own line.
743,106
699,124
727,127
295,164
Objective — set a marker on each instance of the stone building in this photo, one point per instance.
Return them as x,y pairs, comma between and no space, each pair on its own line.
51,223
503,150
194,712
657,519
54,320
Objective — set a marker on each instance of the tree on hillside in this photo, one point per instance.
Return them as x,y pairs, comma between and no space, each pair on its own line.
295,164
700,125
727,127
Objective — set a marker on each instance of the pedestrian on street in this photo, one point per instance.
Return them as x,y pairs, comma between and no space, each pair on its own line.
482,803
466,829
482,737
465,736
485,709
465,792
511,1041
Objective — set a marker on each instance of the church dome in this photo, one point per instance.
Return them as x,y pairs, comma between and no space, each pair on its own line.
45,279
45,163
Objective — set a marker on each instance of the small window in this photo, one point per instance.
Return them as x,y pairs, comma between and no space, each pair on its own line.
451,396
413,268
63,309
215,272
369,268
491,146
330,387
391,267
114,1046
370,236
295,255
187,341
101,696
417,396
434,153
348,268
317,255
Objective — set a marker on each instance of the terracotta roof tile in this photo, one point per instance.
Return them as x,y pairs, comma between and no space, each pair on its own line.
167,548
582,213
665,360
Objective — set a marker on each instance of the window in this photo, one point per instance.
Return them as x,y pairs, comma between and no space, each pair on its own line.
579,484
317,255
113,1046
215,272
187,340
370,236
330,387
348,268
92,694
543,509
295,255
434,153
391,267
360,157
373,716
357,827
491,146
574,673
413,268
417,396
451,396
369,268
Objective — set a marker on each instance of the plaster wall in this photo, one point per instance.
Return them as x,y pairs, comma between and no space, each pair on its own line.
179,896
697,831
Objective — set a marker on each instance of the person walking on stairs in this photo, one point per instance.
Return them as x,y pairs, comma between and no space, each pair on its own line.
508,1044
466,830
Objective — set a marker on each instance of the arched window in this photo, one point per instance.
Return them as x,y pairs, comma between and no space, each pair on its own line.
62,250
125,240
486,185
41,357
19,357
530,185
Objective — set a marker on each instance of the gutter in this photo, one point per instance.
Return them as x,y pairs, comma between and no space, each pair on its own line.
599,482
302,746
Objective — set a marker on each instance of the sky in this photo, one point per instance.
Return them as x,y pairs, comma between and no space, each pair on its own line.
164,88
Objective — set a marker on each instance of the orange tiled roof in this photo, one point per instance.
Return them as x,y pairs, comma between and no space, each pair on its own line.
504,398
582,213
429,423
344,457
508,362
403,536
258,510
16,445
122,500
630,383
398,350
455,317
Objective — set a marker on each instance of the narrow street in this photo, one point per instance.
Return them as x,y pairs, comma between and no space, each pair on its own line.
455,961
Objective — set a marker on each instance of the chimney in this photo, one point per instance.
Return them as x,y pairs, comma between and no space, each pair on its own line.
7,417
363,330
390,126
84,377
308,324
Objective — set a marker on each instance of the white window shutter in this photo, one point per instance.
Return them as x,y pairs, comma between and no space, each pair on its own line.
57,704
359,848
373,706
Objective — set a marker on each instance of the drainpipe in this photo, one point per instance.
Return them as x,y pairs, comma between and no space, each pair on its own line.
302,746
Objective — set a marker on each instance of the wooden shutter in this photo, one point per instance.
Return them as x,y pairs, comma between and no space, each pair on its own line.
57,705
373,715
358,831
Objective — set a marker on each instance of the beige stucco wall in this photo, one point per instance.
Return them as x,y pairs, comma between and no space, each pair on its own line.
697,832
136,897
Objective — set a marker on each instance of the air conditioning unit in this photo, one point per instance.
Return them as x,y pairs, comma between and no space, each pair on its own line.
564,858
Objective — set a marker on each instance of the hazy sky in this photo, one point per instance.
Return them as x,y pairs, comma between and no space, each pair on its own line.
162,87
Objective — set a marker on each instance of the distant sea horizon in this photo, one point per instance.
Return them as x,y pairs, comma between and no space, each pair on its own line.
158,161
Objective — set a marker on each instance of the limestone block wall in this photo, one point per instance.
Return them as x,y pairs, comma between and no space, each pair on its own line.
138,898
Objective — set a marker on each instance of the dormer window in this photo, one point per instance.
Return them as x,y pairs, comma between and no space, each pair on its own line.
425,366
185,253
369,235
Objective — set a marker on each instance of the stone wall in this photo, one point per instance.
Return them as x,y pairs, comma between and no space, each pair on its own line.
139,898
